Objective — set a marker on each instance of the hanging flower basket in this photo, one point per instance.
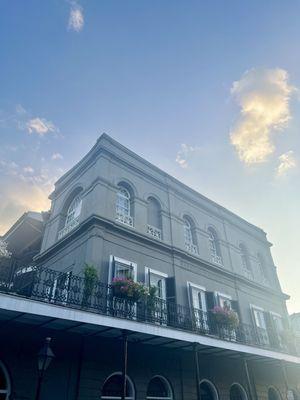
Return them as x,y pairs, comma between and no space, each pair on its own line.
225,317
128,289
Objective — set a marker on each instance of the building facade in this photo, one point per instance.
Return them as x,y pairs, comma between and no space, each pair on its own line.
124,219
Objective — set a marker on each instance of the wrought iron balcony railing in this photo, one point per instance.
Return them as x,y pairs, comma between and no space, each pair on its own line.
153,231
124,219
68,290
191,248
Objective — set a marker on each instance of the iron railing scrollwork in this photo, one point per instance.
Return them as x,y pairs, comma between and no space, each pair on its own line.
69,290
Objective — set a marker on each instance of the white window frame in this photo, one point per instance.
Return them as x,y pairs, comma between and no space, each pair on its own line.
113,258
116,397
241,387
198,287
224,296
122,216
71,224
149,271
214,247
189,244
202,290
168,385
212,386
257,308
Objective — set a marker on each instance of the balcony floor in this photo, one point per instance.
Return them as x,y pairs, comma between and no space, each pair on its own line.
52,316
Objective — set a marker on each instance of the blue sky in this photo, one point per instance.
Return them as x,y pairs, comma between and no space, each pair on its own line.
157,75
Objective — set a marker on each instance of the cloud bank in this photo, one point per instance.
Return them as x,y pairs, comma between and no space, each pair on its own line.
76,18
263,96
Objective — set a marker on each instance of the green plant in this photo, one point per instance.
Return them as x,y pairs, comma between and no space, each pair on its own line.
128,289
90,279
225,317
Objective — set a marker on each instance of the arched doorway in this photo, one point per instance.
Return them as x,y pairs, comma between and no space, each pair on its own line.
159,389
237,392
273,394
5,387
113,387
208,391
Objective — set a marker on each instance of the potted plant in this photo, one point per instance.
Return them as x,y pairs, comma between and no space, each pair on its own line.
90,279
126,288
225,317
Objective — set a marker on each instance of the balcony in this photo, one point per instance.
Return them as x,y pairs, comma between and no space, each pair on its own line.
216,259
191,248
68,228
124,219
153,231
70,291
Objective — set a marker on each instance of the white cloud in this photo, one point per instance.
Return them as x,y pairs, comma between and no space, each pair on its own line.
264,98
40,126
76,18
287,161
28,169
57,156
184,154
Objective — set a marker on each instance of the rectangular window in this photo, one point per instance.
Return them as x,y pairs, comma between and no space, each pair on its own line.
224,301
260,325
197,300
259,318
158,280
121,268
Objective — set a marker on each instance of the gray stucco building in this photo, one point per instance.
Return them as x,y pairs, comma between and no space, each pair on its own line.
131,221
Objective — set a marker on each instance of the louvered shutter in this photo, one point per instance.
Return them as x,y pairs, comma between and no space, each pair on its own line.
271,329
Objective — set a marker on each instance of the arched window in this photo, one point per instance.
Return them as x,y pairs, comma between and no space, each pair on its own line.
261,268
208,391
237,392
245,261
159,389
189,235
273,394
113,388
72,216
123,207
215,251
154,218
292,394
5,387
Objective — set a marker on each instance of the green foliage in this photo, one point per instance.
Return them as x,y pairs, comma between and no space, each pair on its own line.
225,317
90,279
127,288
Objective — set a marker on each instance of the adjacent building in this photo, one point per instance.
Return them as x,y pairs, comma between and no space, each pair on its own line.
215,326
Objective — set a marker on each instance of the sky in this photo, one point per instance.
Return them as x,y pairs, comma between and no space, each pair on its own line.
206,90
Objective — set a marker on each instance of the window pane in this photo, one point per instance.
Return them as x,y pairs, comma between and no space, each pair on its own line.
124,271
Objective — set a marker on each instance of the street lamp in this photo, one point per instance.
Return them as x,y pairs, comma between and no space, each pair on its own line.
45,356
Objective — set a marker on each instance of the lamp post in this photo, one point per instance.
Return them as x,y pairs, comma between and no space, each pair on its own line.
45,356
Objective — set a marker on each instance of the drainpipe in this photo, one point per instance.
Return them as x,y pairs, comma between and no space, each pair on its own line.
195,348
124,366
